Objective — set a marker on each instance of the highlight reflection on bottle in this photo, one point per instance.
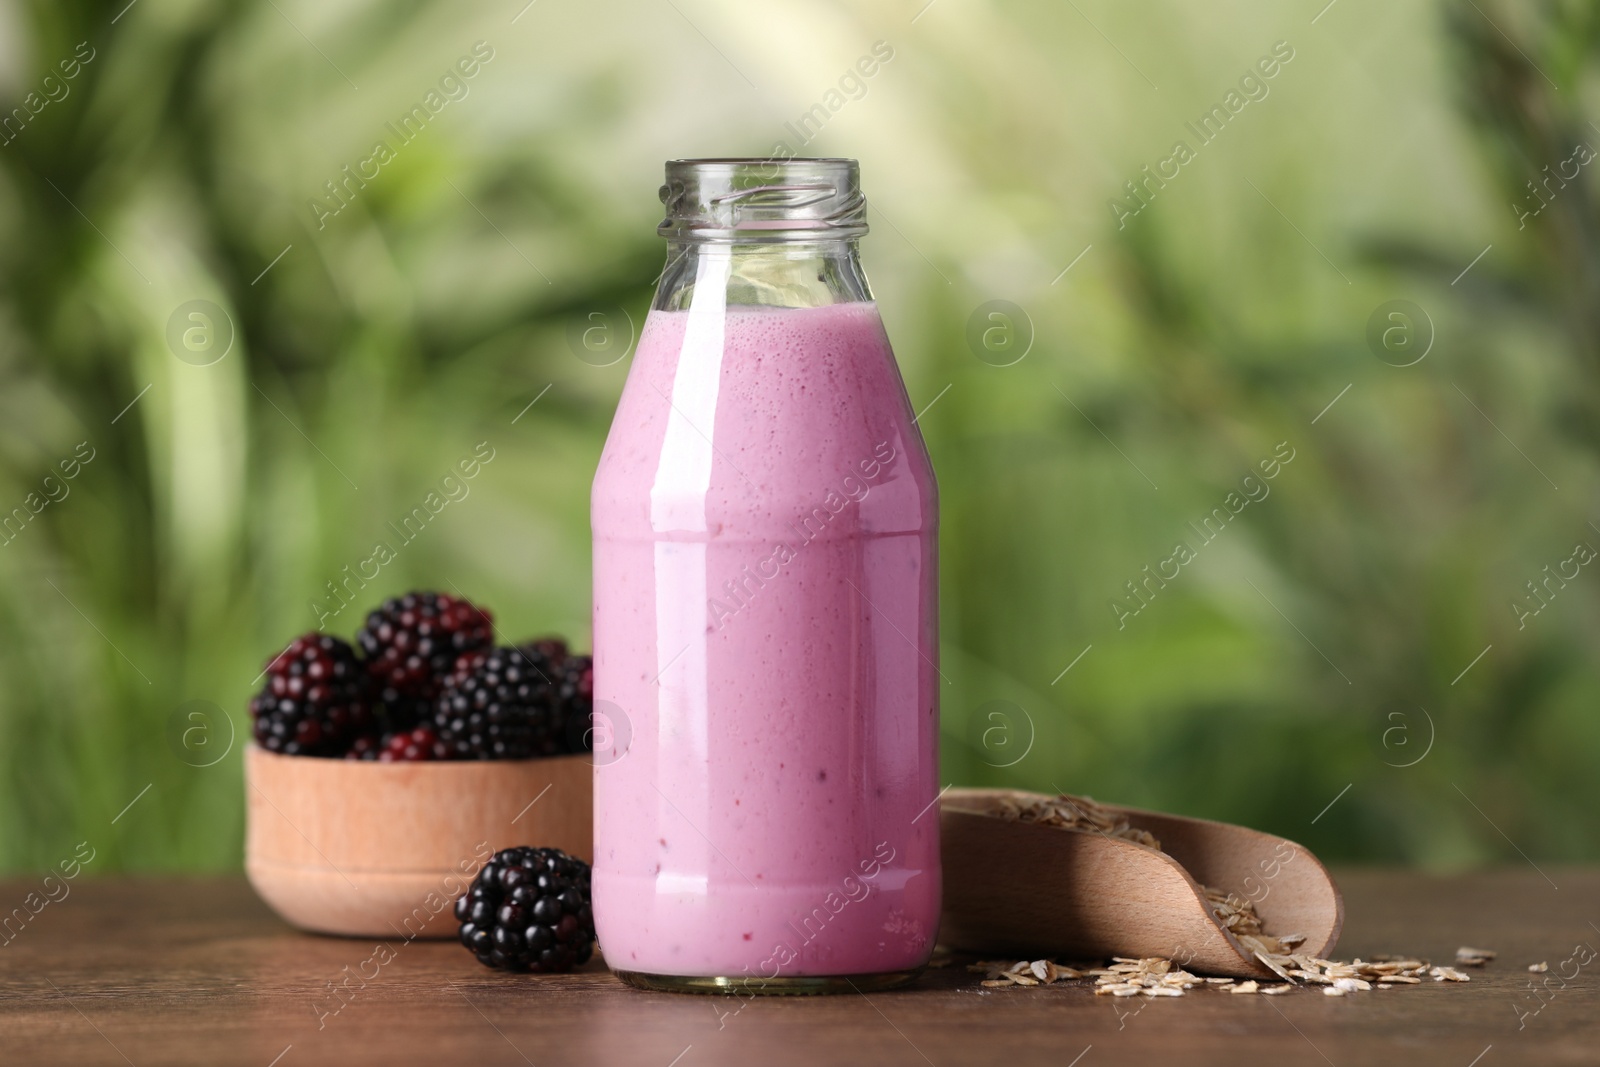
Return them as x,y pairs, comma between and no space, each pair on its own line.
765,608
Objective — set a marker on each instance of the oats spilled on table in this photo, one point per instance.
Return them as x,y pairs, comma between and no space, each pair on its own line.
1023,973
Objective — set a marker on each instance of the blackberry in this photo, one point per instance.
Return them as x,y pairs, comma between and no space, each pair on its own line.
317,699
417,746
529,909
575,692
551,648
414,746
411,643
501,704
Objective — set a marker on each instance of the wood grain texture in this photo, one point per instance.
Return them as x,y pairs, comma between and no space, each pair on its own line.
200,972
1091,895
380,849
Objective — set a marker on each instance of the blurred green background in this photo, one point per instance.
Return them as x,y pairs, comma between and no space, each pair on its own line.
1325,639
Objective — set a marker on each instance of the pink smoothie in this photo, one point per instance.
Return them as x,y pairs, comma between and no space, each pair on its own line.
765,619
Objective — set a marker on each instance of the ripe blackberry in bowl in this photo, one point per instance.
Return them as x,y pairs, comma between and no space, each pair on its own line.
529,909
421,745
551,648
415,746
316,701
575,692
412,642
501,704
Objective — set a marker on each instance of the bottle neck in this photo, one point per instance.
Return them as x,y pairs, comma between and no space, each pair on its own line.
771,274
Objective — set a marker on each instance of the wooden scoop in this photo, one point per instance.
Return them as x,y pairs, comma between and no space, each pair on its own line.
1020,889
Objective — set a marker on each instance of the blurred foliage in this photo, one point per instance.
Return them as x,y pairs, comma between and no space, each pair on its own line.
375,347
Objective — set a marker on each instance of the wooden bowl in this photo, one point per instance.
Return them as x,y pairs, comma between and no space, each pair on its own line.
357,848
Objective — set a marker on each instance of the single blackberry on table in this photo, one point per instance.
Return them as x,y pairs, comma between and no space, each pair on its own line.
501,704
529,909
316,701
411,644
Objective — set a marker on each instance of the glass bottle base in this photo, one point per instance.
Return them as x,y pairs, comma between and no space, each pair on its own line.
783,985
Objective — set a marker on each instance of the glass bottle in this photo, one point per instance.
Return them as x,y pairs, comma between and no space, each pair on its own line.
765,526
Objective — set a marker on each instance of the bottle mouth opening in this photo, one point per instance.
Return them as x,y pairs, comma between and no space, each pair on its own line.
767,200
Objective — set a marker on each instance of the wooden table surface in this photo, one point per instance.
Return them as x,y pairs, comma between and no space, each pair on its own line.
200,972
